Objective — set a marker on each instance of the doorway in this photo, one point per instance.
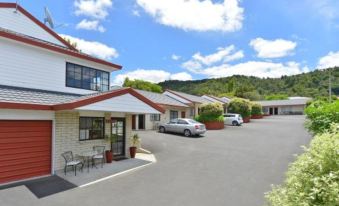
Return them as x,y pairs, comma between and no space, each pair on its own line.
141,121
276,111
183,114
118,127
271,111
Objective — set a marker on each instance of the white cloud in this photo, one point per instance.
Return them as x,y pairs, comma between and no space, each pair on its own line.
175,57
253,68
196,15
222,55
136,13
273,48
90,25
151,75
183,76
330,60
94,48
97,9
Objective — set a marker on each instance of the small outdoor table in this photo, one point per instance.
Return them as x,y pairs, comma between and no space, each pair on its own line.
88,156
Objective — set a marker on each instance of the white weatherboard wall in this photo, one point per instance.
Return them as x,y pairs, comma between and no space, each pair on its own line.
18,22
124,103
28,66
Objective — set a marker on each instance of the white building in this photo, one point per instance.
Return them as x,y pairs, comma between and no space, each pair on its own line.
284,107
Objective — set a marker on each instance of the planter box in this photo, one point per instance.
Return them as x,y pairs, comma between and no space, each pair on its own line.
257,116
246,119
214,125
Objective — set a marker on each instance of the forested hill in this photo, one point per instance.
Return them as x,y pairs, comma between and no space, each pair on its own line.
312,84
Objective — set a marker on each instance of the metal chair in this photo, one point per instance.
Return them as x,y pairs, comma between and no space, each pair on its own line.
100,156
71,162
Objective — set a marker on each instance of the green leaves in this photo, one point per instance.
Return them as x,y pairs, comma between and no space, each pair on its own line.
210,112
240,106
313,179
142,85
256,109
321,114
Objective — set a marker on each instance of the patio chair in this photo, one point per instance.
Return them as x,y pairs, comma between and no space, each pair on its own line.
100,156
71,162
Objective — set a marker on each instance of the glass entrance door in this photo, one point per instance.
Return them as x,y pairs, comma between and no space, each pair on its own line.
118,127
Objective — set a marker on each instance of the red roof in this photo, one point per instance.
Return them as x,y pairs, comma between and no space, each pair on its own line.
69,50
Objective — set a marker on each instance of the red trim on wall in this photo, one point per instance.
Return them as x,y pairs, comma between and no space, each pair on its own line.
105,96
170,105
57,49
35,20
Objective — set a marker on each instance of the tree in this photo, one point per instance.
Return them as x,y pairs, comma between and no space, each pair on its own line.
240,106
142,85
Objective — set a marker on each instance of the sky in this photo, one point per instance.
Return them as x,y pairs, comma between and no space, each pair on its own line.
158,40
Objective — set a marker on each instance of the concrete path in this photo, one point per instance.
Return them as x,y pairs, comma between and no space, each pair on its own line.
235,166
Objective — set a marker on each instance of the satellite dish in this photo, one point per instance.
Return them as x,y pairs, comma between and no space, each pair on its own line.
48,18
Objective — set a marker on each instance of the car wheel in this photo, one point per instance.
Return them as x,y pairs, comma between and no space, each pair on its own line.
187,133
162,129
235,123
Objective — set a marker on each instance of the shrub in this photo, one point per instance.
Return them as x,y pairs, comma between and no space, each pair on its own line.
256,109
240,106
210,112
321,114
313,179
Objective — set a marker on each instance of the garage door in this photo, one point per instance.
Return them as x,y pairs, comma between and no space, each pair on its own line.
25,149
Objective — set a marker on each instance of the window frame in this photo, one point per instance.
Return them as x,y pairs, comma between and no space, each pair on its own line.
174,111
91,129
99,78
155,117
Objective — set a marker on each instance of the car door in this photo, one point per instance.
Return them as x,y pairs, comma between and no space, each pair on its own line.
170,126
228,119
181,126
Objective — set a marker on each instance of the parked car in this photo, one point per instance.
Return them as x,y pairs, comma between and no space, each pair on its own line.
233,119
188,127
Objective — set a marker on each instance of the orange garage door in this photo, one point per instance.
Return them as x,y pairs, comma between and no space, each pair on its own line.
25,149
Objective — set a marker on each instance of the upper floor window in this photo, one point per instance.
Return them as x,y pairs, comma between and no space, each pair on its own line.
82,77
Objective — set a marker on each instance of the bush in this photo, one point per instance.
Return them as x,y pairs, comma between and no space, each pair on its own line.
313,179
240,106
321,114
210,112
256,109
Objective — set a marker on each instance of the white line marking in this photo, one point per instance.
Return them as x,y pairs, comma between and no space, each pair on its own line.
114,175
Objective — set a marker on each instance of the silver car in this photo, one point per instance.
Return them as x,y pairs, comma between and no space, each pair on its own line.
188,127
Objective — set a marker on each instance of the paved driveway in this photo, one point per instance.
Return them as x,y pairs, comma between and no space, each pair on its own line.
234,166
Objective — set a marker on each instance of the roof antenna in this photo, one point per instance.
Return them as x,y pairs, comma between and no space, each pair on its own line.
16,6
48,18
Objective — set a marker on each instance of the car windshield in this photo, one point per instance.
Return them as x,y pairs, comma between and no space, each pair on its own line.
192,121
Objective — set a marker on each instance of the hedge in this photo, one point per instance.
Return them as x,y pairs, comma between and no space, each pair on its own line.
321,114
256,109
210,112
313,179
240,106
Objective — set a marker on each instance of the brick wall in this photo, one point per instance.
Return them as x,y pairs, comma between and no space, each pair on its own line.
67,137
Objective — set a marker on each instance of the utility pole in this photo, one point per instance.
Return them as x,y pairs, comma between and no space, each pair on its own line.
329,85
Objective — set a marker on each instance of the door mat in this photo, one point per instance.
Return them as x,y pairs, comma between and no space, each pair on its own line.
45,186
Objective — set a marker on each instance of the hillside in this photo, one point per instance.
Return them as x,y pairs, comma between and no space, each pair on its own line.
312,84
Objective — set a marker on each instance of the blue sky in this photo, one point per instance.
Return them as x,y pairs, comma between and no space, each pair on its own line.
157,40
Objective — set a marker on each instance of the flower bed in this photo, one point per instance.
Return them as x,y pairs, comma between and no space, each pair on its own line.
256,116
246,119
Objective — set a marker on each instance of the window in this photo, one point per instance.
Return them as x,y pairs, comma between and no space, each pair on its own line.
155,117
173,114
192,111
181,121
86,78
91,128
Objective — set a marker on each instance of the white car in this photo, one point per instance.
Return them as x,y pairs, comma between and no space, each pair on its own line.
233,119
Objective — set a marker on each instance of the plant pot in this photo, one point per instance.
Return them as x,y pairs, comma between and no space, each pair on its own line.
109,156
246,119
256,116
214,125
132,151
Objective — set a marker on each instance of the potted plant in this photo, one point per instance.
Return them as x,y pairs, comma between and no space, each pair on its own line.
211,116
109,153
135,140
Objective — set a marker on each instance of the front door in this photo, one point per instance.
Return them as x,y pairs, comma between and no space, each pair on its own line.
183,114
276,110
118,127
271,111
141,121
